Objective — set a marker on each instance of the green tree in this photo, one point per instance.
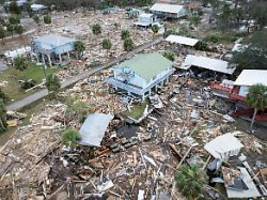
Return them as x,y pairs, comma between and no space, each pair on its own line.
3,124
128,44
76,109
169,55
71,137
36,19
52,83
3,96
125,34
14,8
155,29
106,44
47,19
15,19
96,29
190,181
257,99
11,29
195,20
259,12
20,63
19,29
79,47
255,55
2,33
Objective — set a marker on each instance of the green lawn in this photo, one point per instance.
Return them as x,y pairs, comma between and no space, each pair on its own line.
137,111
12,76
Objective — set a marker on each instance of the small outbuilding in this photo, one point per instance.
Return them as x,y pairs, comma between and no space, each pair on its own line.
166,10
53,48
146,20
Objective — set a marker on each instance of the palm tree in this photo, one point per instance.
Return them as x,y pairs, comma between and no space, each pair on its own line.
107,44
190,181
155,29
96,29
3,125
128,44
257,99
79,47
125,34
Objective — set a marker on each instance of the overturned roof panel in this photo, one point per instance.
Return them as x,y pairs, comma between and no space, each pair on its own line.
250,191
224,146
182,40
252,77
94,128
216,65
167,8
51,41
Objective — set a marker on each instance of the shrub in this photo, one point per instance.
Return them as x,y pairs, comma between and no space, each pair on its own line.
20,63
47,19
70,137
125,34
128,44
96,29
190,181
169,55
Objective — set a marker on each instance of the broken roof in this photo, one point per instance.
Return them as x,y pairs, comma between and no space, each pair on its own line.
147,66
232,181
17,52
94,128
252,77
216,65
182,40
51,41
222,145
167,8
146,15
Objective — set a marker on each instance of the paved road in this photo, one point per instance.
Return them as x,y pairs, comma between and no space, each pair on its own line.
18,105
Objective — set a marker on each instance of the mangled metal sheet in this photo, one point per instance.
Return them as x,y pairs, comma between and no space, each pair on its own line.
224,146
182,40
94,128
212,64
239,184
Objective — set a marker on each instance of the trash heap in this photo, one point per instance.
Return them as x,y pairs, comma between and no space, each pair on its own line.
134,161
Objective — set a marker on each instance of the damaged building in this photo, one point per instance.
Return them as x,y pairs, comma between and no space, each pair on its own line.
53,49
142,74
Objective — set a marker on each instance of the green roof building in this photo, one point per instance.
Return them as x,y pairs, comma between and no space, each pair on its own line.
142,74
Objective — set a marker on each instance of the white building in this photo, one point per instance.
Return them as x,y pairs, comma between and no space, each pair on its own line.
247,78
168,10
146,20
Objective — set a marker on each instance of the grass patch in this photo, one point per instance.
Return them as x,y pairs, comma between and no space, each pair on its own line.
12,76
137,111
217,38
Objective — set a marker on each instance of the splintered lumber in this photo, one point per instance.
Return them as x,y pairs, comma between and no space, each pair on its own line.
186,154
175,151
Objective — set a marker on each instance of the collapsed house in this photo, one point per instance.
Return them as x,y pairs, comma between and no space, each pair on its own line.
164,10
142,74
237,91
52,49
210,64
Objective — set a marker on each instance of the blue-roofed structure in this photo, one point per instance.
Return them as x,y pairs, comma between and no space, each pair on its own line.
52,47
